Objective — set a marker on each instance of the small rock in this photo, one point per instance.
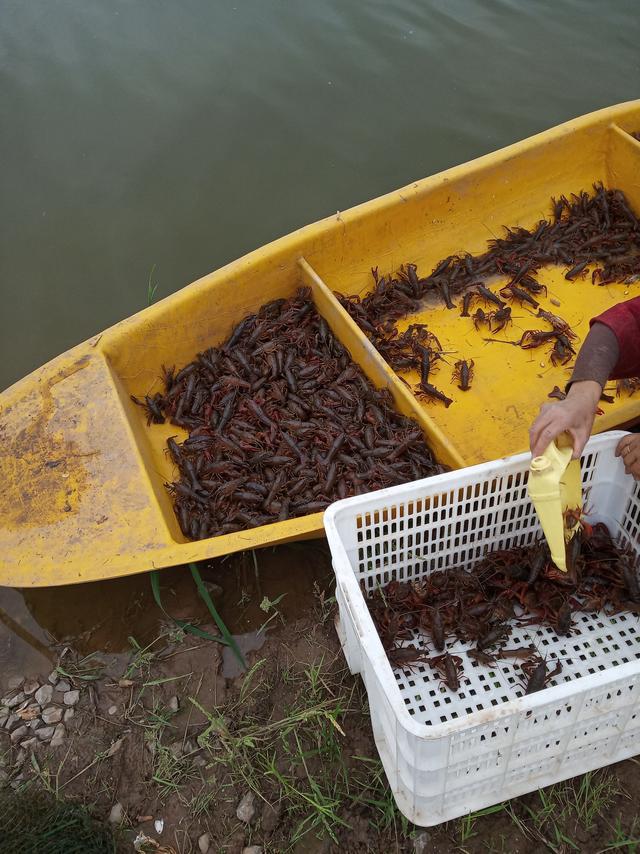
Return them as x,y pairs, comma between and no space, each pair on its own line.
12,702
112,710
12,721
58,736
35,723
125,683
115,747
20,759
63,686
69,714
46,732
117,810
200,761
269,818
247,808
15,683
71,698
190,746
53,677
173,704
30,686
19,734
52,715
43,695
3,721
159,825
204,843
17,781
29,744
252,849
422,843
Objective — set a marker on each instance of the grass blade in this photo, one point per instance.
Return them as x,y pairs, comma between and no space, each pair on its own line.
224,631
182,624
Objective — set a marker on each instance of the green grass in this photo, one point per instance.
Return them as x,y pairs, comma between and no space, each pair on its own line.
624,841
559,811
296,758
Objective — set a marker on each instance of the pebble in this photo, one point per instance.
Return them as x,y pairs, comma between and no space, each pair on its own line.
117,810
30,686
199,761
112,710
71,698
58,736
46,732
19,733
12,702
247,808
34,724
43,695
29,744
12,721
173,704
252,849
52,715
53,677
15,683
69,714
269,818
204,843
63,686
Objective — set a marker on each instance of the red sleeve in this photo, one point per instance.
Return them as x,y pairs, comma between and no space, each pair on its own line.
624,321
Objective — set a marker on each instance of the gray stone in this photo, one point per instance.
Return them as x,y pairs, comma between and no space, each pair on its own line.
200,761
63,686
117,811
46,732
58,736
15,683
269,817
3,721
69,714
12,722
247,808
173,704
52,715
30,686
422,843
112,710
35,723
43,695
19,733
252,849
12,702
29,744
53,677
190,746
20,759
204,843
71,698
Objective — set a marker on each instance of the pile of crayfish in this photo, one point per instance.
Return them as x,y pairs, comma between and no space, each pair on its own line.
597,230
281,423
508,587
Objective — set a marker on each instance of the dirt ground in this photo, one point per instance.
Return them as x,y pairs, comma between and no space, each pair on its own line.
280,757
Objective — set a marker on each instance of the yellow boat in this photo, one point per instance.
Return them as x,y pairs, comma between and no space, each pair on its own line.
83,495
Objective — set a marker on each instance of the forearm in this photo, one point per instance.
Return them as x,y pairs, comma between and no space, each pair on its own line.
597,357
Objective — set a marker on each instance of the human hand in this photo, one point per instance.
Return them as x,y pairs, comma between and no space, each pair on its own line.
629,449
573,415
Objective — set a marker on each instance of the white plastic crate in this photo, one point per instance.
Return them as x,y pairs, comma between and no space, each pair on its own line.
446,754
